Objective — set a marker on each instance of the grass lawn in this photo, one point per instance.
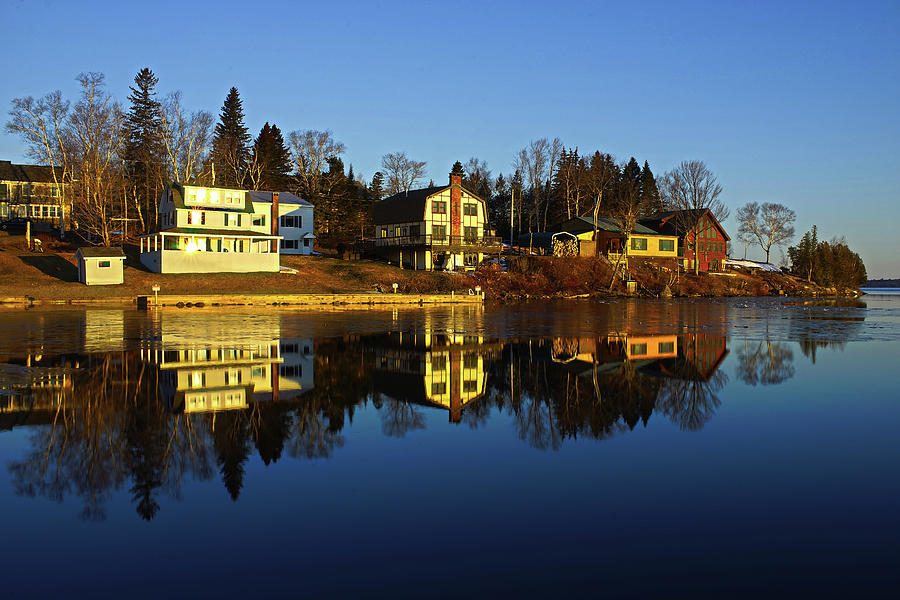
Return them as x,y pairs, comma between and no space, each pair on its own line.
53,275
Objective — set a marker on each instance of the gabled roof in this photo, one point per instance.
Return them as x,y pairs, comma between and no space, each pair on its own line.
404,207
578,225
283,198
409,206
100,252
28,173
667,221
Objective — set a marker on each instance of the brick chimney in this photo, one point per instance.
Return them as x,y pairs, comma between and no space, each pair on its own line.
455,203
274,213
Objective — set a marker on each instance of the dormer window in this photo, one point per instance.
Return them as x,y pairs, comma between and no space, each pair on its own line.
213,197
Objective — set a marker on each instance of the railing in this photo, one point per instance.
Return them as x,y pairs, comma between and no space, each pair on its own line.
432,240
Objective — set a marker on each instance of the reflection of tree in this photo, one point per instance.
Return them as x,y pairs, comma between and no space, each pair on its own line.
399,418
764,362
231,441
311,436
691,404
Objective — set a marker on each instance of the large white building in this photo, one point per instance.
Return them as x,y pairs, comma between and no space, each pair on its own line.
209,230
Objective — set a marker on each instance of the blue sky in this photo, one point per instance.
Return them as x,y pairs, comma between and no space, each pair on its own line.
788,102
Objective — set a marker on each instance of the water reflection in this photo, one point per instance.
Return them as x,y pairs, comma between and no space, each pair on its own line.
147,404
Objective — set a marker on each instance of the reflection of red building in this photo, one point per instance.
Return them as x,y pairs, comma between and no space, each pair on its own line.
699,235
699,356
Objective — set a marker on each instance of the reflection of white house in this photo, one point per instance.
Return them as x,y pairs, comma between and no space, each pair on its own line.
208,230
206,378
212,361
296,370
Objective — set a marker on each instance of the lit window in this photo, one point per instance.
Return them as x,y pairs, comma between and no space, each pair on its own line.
213,197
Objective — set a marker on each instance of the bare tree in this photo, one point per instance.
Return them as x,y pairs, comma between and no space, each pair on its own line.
478,178
691,189
96,133
186,138
402,173
770,224
311,152
41,123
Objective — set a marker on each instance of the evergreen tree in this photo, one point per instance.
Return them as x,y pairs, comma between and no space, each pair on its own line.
270,163
143,152
650,198
230,153
376,187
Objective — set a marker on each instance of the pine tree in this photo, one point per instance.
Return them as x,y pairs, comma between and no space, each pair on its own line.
270,161
376,187
143,147
650,198
230,152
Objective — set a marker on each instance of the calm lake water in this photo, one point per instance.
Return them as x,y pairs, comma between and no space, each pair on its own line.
717,448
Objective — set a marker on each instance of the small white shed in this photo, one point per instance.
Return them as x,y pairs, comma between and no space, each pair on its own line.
100,265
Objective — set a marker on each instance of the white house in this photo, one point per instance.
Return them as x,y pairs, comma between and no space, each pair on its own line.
294,221
209,230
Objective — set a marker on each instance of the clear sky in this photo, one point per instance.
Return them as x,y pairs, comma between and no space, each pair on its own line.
789,102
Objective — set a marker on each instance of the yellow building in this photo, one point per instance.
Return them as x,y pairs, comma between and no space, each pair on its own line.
434,228
31,192
642,242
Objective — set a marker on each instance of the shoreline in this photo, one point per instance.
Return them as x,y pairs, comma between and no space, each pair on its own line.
242,299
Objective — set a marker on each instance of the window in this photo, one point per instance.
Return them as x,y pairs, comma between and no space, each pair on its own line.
290,244
438,388
470,209
290,370
470,360
638,349
439,232
232,220
666,245
306,243
439,362
470,259
667,347
439,207
196,217
383,231
259,220
471,234
470,387
104,264
213,197
257,372
292,221
638,243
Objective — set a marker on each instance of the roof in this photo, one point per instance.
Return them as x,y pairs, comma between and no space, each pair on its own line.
212,232
408,206
28,173
283,198
584,224
404,207
100,252
666,223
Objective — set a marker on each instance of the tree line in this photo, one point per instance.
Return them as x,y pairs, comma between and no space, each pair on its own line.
115,161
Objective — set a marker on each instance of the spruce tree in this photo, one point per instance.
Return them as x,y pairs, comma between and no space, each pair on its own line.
231,139
143,154
376,187
651,203
270,160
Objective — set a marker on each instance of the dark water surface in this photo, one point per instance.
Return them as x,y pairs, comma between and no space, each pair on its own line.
628,449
